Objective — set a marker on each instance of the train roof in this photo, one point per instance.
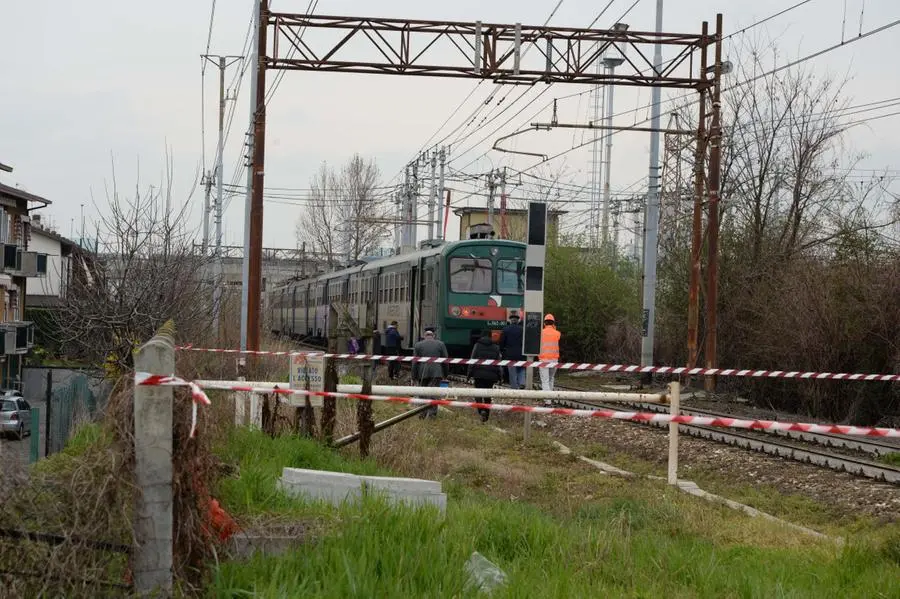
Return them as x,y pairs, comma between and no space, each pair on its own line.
403,258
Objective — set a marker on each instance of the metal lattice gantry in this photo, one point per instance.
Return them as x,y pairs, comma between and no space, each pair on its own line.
477,50
502,53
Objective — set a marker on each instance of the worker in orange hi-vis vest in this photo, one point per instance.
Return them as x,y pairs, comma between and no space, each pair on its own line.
549,352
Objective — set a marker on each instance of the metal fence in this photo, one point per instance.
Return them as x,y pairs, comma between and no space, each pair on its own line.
64,398
68,406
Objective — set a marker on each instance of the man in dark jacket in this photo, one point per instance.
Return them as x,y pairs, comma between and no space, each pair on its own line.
511,348
429,374
392,342
485,376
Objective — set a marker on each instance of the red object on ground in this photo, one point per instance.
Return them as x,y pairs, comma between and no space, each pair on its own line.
221,521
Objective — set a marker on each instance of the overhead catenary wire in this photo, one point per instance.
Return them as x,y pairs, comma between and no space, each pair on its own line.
469,119
743,83
544,91
457,155
212,17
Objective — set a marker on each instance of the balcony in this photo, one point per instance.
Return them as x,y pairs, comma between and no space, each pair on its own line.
16,337
19,263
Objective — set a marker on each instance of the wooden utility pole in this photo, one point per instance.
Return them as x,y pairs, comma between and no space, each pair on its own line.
693,323
254,287
715,157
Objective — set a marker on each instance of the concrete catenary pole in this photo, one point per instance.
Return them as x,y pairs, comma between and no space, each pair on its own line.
433,196
406,210
491,184
207,208
220,150
440,209
398,202
504,230
596,162
610,63
414,207
651,224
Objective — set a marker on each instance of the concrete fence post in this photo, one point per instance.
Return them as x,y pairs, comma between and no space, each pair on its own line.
153,531
674,410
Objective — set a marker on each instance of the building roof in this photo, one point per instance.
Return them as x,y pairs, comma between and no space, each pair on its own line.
17,194
53,235
480,210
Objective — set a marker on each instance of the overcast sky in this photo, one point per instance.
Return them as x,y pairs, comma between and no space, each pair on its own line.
85,83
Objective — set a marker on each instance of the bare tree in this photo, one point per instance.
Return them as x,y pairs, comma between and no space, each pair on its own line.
145,271
346,218
805,247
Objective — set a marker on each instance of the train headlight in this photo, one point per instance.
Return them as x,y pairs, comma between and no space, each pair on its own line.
455,311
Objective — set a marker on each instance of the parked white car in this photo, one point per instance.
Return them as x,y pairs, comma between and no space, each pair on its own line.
15,416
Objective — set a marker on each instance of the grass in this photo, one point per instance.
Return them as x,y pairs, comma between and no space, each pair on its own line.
891,459
557,527
260,459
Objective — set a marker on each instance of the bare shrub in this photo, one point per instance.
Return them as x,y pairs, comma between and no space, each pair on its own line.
144,272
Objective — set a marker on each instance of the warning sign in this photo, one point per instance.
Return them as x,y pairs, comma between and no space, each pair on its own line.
307,372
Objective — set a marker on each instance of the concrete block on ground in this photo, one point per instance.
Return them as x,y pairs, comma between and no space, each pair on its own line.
244,546
337,487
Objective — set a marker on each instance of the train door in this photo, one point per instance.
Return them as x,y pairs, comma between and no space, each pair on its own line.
293,309
306,300
377,300
411,303
427,294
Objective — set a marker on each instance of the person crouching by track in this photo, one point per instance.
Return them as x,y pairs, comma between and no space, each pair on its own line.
485,376
549,353
392,342
430,374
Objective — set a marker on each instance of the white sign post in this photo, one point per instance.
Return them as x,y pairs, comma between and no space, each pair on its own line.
307,372
535,257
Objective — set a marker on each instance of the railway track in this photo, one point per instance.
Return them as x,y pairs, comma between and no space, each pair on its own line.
758,442
786,447
873,447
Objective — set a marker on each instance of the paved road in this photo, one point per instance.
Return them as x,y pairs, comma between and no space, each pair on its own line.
15,454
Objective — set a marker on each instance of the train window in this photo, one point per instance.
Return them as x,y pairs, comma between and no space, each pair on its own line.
470,275
511,277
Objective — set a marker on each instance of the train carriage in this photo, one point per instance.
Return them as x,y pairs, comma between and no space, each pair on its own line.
458,288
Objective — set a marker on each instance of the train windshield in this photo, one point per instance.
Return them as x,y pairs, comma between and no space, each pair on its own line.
470,275
510,277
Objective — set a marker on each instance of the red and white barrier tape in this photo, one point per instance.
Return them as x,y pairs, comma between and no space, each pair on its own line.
197,394
672,370
148,379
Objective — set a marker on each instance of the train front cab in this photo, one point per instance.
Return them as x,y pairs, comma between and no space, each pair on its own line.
483,282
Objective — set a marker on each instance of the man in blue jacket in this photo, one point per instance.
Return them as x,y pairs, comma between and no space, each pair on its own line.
511,347
392,344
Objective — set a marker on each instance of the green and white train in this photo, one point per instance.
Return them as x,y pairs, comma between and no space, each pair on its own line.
459,289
